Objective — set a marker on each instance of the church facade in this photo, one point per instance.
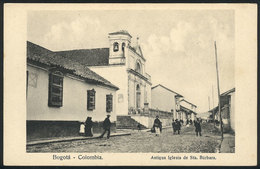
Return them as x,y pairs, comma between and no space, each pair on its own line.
122,64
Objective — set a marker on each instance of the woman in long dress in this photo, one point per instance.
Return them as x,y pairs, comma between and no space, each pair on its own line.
88,127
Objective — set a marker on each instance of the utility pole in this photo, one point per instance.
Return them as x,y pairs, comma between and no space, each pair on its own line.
213,115
209,102
219,111
212,97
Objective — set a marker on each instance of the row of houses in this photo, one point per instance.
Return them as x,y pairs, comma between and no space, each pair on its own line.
227,108
66,87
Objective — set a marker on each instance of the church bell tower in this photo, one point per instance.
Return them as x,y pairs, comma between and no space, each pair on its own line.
118,44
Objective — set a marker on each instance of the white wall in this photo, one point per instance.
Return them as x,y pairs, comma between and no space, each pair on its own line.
163,99
118,76
232,111
149,94
74,100
187,105
131,95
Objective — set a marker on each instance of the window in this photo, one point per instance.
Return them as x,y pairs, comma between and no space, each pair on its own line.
138,68
138,96
91,97
55,89
109,103
115,47
123,46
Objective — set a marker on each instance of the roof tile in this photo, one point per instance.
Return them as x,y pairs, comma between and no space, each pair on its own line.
45,56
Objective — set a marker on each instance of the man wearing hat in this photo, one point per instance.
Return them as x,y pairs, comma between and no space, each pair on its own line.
157,125
106,127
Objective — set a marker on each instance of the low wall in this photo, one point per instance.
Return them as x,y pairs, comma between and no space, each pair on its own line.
148,121
37,129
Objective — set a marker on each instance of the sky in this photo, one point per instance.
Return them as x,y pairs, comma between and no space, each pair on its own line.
178,44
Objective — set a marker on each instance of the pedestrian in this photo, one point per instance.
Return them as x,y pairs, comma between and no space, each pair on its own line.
197,127
178,126
187,122
181,121
106,127
157,125
81,129
139,127
173,126
88,127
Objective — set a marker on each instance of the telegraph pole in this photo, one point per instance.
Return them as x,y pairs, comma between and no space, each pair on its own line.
209,102
213,115
219,111
212,97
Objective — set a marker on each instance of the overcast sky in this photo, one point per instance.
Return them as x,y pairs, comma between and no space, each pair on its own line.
177,44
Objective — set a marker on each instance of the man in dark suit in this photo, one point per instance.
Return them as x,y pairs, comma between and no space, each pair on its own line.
106,127
197,127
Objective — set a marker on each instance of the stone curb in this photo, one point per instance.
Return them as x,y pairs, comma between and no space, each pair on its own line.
72,139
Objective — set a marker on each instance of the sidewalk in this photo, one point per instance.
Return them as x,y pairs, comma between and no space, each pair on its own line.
228,144
65,139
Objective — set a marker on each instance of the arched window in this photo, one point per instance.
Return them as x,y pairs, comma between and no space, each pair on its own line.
138,96
138,68
115,47
123,46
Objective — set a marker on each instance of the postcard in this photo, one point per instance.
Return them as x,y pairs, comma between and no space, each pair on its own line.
130,84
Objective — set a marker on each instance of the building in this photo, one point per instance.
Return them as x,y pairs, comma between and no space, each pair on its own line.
122,64
228,110
187,111
165,100
227,105
61,93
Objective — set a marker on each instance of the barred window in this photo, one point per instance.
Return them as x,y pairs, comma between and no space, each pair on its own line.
91,97
55,89
109,103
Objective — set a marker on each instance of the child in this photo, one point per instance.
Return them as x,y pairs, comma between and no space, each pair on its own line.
82,129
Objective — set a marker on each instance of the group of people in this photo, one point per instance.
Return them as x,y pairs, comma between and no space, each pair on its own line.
86,128
176,125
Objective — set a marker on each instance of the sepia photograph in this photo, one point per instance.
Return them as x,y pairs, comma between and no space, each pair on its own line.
161,84
97,80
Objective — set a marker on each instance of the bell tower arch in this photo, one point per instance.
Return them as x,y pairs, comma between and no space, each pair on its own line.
118,43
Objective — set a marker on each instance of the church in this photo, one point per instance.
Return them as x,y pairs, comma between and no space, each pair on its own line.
122,64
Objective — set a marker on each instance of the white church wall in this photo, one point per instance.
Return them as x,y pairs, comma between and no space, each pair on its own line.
117,75
163,99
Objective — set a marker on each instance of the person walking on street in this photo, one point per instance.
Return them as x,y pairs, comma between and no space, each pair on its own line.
157,125
88,127
173,126
178,126
139,127
197,127
106,127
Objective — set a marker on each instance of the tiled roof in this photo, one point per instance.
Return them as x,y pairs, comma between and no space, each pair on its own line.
187,110
228,92
167,89
188,102
122,32
47,57
89,57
